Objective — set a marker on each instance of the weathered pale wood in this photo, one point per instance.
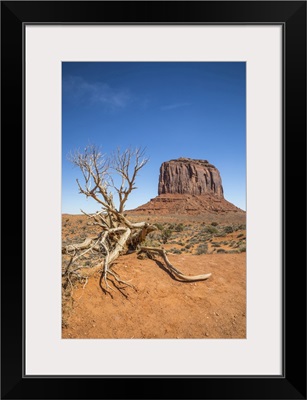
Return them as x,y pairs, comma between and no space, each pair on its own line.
172,269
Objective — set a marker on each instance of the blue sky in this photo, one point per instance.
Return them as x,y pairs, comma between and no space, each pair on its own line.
173,109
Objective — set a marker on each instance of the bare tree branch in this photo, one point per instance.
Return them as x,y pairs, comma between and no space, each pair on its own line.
127,165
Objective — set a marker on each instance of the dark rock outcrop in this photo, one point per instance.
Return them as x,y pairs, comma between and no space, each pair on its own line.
188,176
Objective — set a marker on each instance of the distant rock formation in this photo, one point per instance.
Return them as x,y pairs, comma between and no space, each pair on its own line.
188,176
192,188
186,204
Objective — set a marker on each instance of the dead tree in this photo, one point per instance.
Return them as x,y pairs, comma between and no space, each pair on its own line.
104,177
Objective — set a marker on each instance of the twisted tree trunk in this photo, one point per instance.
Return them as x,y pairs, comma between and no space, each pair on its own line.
107,246
117,234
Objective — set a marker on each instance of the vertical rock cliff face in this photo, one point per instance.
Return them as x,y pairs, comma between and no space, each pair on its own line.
188,176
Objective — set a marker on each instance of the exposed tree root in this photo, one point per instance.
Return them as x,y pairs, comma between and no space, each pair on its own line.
152,251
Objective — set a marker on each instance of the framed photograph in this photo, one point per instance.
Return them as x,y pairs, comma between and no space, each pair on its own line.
163,155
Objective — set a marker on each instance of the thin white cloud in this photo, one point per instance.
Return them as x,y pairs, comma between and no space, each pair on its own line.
174,106
83,91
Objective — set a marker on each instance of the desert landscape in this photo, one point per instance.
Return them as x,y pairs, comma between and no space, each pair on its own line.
145,294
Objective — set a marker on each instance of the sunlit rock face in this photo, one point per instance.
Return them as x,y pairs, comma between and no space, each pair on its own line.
188,176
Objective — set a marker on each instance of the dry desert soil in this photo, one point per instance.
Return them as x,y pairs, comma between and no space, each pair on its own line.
161,307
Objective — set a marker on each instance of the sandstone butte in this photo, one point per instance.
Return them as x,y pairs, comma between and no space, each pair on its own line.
188,186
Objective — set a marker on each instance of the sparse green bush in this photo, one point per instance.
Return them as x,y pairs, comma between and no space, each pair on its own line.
159,226
221,234
242,248
210,229
228,229
242,227
165,235
176,251
202,249
221,251
150,242
179,228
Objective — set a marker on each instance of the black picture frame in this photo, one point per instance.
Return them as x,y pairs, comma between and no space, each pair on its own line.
292,16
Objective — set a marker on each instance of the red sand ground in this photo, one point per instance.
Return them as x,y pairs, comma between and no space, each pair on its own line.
163,307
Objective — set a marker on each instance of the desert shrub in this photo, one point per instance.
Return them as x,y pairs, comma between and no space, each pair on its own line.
242,248
220,251
228,229
202,237
202,249
240,235
216,245
188,246
179,228
241,227
214,223
176,251
180,243
165,235
210,229
159,226
150,242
